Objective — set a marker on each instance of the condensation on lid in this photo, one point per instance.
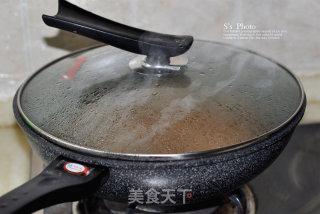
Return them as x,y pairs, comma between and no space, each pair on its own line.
91,99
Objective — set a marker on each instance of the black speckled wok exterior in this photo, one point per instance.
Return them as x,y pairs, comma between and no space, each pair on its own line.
73,173
207,176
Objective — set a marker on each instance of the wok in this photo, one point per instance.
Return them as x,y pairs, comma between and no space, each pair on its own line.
76,171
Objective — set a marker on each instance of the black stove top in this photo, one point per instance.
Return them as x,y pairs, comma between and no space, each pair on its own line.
291,185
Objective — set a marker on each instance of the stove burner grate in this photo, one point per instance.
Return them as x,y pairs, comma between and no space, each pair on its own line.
240,201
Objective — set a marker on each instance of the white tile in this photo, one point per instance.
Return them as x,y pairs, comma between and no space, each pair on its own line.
14,158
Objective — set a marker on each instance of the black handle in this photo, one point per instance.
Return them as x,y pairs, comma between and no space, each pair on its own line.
154,45
61,181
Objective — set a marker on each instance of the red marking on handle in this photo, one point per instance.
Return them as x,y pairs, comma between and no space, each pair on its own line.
85,170
73,68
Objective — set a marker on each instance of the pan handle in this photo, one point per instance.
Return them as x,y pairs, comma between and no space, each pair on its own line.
62,181
156,46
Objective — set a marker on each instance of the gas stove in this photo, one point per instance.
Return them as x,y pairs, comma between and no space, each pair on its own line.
291,185
239,202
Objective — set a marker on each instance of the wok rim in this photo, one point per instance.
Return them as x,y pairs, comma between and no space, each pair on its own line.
156,157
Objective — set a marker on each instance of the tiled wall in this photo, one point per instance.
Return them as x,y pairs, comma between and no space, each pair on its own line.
27,43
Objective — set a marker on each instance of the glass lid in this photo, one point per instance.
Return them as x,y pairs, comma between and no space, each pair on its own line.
225,96
178,99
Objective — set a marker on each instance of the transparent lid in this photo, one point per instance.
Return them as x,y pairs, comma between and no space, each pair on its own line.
93,101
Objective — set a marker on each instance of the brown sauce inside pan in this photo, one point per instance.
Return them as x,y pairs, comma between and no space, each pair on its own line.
151,131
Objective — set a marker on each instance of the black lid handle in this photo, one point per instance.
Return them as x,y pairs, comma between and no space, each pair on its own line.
154,45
